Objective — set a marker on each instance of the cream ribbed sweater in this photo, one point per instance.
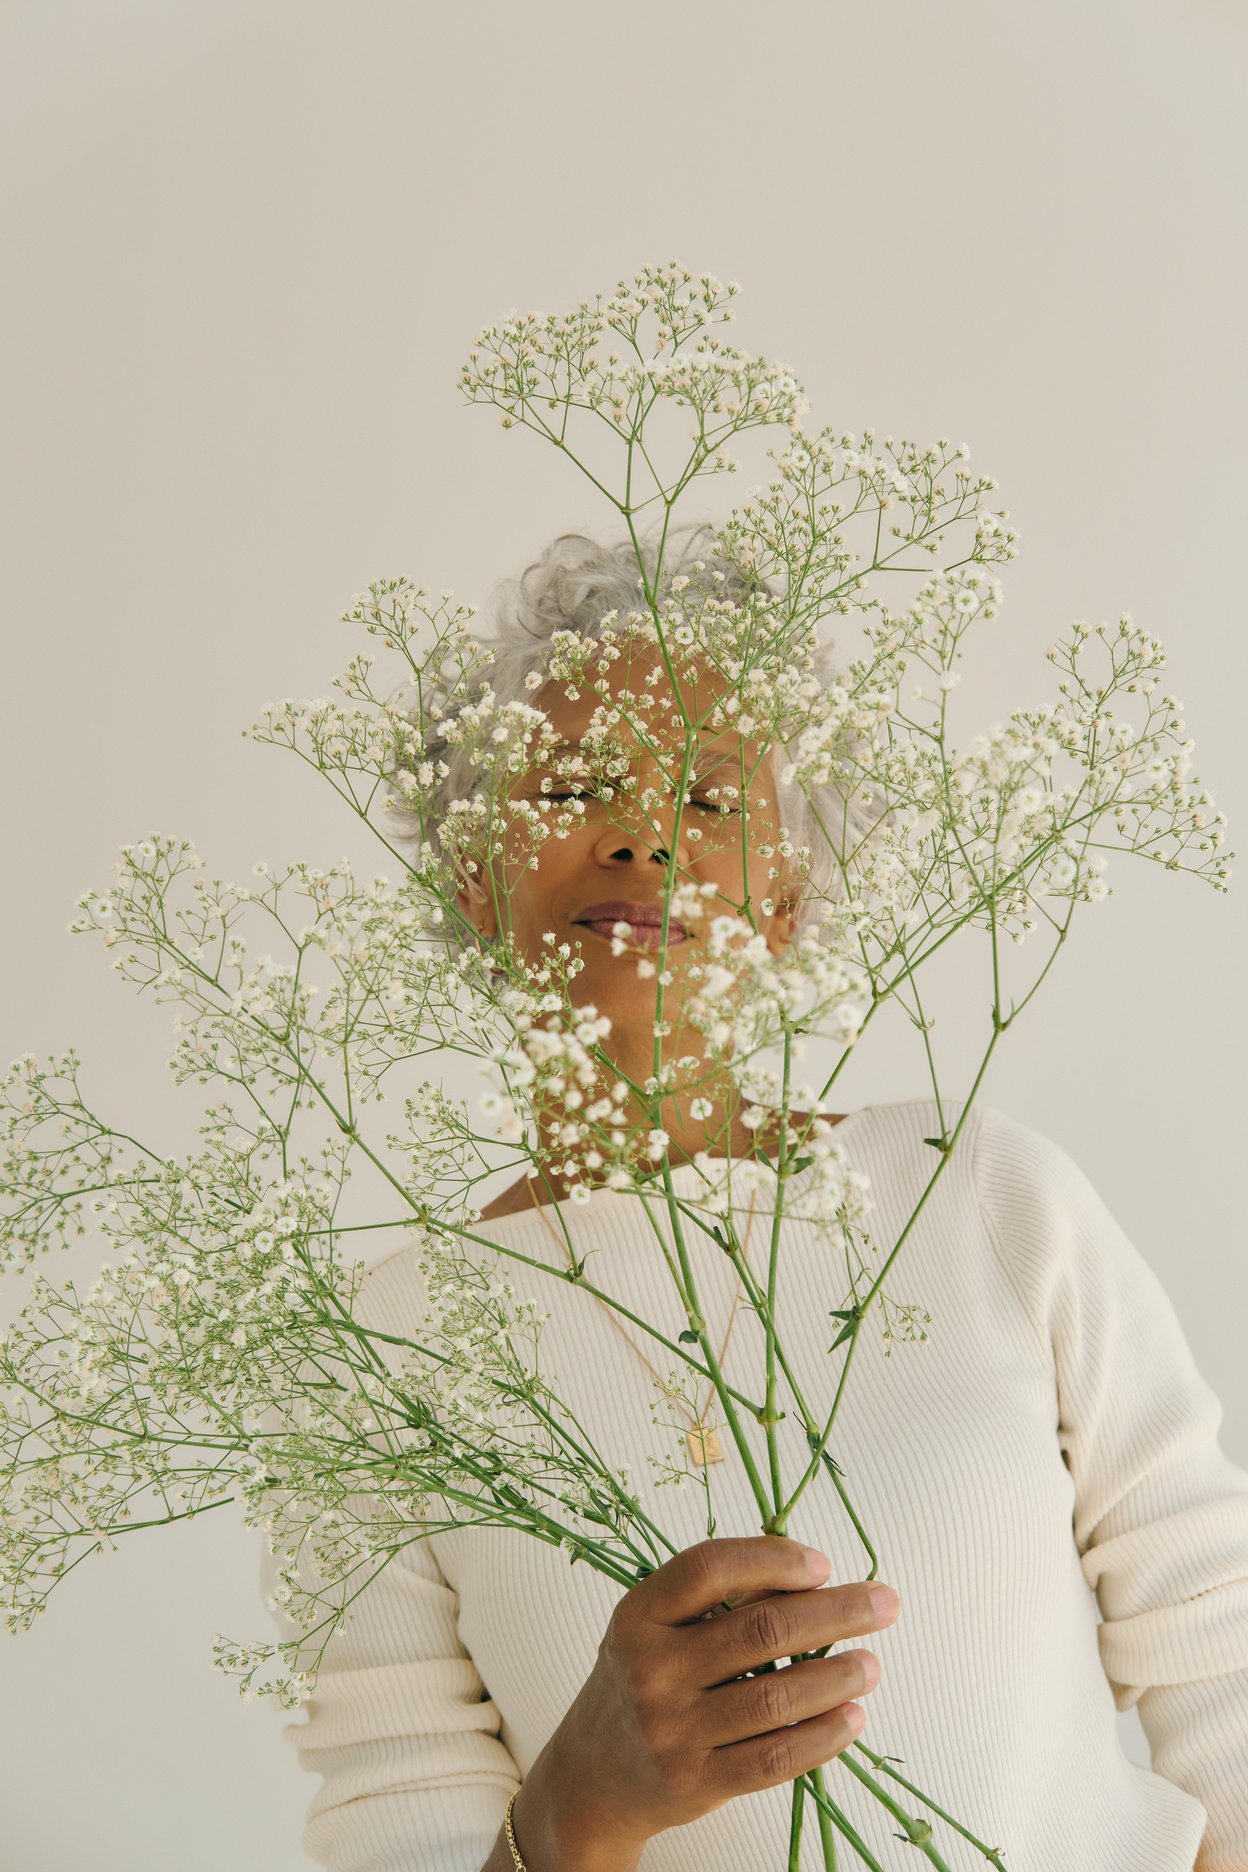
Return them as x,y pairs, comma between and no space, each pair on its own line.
1051,1450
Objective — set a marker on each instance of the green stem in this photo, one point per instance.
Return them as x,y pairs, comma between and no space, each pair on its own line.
918,1832
880,1762
795,1827
830,1816
771,1415
725,1396
827,1835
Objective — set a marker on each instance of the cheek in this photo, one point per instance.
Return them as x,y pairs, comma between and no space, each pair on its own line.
515,843
528,887
726,848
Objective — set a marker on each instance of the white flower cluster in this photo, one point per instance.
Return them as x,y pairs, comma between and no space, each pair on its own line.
401,613
554,1065
247,1659
821,1184
818,752
746,997
536,361
792,530
340,738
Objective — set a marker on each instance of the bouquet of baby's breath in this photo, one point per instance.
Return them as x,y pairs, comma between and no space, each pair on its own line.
827,848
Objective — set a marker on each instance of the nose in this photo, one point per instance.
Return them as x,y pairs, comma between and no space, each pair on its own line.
646,838
617,848
620,845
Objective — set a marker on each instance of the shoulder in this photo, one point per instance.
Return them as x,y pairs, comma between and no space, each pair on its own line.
1064,1250
981,1131
1030,1195
994,1154
1020,1171
391,1287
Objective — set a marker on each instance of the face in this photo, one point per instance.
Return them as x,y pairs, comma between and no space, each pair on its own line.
607,860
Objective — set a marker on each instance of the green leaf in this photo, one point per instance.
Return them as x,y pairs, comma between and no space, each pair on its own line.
849,1315
829,1461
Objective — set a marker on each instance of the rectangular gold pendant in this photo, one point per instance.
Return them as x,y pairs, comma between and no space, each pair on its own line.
704,1446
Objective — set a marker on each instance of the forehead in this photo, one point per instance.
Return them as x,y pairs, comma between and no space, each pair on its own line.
653,706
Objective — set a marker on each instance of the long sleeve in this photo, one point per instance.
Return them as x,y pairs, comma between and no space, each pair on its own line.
400,1726
1161,1513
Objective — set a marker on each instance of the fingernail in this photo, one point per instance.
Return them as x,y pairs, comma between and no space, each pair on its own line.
884,1602
818,1564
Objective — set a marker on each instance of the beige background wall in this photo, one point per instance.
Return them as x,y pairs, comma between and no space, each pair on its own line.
247,248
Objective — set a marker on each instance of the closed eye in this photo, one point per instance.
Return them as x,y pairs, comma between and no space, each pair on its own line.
717,807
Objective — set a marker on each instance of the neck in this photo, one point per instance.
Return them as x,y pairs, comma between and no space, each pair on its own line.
686,1135
699,1080
721,1132
552,1185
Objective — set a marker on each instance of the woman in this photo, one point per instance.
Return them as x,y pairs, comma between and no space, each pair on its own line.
1050,1452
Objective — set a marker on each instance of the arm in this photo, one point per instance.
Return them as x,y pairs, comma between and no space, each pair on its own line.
400,1727
1161,1513
545,1844
401,1732
408,1746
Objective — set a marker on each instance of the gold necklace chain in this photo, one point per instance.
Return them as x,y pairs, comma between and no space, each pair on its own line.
704,1444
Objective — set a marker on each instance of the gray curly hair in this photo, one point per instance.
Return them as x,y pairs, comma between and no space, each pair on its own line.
573,585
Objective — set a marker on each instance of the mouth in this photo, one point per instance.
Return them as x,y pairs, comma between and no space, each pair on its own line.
645,924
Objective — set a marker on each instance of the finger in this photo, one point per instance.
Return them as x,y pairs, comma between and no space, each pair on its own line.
754,1706
771,1760
726,1568
738,1599
783,1626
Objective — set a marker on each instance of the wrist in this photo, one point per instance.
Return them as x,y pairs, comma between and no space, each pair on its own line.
553,1836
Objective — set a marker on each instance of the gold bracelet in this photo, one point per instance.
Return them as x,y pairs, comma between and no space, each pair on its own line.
511,1838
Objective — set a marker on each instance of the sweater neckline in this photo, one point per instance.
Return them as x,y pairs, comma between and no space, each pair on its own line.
686,1181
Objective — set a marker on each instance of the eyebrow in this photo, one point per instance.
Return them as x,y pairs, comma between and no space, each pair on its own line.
715,750
719,756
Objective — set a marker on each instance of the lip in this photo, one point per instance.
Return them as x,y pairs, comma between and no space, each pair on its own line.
646,920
